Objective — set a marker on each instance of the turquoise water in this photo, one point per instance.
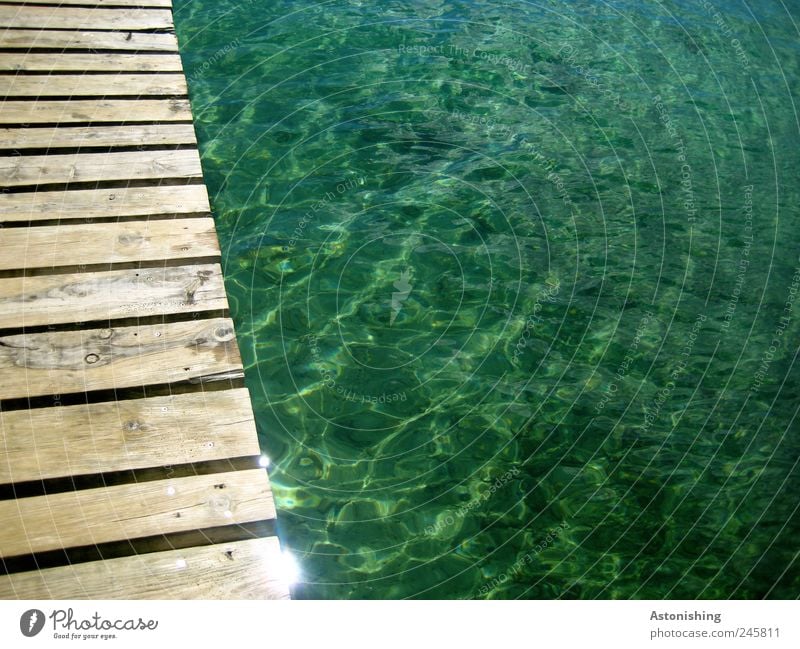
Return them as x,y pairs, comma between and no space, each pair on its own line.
515,285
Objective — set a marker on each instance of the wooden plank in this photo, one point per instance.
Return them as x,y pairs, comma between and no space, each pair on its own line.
97,3
84,18
109,110
107,243
125,512
18,171
94,203
48,137
251,569
98,359
90,63
121,435
87,297
85,85
85,40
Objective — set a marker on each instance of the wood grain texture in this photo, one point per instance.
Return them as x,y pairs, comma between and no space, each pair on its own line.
132,293
86,40
123,512
107,243
84,18
67,62
88,110
97,3
16,171
94,203
91,85
250,569
98,359
47,137
130,434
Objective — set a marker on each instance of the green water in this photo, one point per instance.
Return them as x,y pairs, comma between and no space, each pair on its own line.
515,288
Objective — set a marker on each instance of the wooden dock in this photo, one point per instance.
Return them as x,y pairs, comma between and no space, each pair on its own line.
129,461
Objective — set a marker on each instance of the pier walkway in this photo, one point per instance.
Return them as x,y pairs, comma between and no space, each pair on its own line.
129,460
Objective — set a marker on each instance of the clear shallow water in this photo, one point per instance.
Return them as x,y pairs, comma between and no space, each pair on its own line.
515,287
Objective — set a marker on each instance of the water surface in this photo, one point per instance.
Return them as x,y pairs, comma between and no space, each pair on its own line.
515,288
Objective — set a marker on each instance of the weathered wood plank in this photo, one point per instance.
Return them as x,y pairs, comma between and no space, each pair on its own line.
97,359
84,18
98,3
17,171
86,297
48,137
90,63
124,512
251,569
85,85
107,243
121,435
93,203
57,442
89,110
86,40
